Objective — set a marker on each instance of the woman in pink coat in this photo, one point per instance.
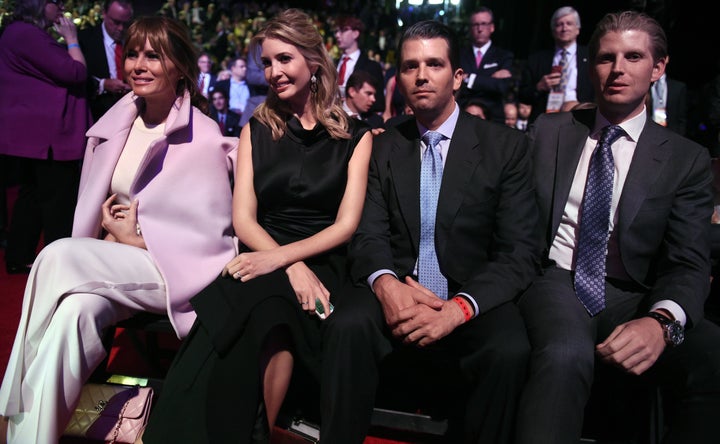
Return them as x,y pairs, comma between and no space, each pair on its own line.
152,228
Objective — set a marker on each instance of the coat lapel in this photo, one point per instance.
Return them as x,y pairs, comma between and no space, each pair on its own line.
405,172
650,157
461,162
570,143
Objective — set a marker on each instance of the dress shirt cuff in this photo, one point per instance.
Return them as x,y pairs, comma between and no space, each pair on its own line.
471,80
673,307
371,279
472,302
101,86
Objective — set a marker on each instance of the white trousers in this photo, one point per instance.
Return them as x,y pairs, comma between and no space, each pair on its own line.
76,288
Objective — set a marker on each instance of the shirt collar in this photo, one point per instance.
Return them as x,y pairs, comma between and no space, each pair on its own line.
632,127
106,37
353,55
484,48
571,50
447,127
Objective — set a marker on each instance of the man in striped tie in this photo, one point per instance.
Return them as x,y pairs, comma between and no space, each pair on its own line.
625,210
102,47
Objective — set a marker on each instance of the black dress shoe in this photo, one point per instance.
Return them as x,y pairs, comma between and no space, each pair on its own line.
13,268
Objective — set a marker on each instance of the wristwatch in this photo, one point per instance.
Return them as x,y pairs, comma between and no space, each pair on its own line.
673,331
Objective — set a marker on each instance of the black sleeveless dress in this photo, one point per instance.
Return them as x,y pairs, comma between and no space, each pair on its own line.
212,391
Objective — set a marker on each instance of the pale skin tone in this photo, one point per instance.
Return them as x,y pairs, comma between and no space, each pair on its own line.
288,74
66,28
565,33
144,71
360,100
622,74
428,82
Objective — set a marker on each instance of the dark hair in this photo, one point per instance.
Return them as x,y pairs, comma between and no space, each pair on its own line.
351,22
218,91
171,39
630,21
482,9
431,29
358,78
125,3
31,11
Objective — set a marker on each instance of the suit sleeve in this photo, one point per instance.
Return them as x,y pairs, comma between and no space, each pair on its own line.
683,262
370,247
513,251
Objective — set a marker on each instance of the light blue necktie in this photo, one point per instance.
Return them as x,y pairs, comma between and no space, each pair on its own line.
431,170
595,224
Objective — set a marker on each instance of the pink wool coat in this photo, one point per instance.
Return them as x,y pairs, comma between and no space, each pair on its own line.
184,193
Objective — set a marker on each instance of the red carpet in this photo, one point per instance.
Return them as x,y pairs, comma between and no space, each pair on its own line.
12,288
11,294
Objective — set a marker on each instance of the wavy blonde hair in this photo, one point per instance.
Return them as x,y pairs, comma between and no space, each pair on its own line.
294,27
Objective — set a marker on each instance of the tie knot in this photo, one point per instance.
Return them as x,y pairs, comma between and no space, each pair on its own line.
432,138
610,134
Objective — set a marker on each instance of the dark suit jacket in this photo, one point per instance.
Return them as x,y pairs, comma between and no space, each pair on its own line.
232,122
486,88
663,213
486,214
93,48
375,70
540,63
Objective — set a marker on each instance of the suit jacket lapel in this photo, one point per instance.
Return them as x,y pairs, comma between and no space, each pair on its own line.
570,145
405,171
649,159
461,161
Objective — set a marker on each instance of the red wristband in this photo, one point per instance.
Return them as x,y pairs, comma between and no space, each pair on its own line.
464,306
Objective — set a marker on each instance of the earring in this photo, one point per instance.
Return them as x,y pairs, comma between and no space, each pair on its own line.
313,84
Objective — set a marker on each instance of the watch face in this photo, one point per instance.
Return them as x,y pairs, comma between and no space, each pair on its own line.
675,333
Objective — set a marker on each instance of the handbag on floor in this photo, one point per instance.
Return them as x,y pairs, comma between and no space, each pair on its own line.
112,413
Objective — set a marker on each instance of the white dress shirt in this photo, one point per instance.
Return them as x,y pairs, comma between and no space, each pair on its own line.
563,248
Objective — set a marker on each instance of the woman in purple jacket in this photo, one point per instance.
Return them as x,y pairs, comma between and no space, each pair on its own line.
43,118
153,226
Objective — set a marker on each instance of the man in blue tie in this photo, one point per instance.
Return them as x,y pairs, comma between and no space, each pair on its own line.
446,242
625,209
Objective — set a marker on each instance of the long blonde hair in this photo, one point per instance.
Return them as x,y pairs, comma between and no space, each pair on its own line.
294,27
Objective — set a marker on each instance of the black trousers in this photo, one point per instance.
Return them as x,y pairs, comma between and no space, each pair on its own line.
45,205
562,366
491,353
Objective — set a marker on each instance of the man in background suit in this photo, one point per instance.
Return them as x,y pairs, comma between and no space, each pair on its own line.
538,78
487,67
206,79
620,280
359,98
668,104
235,88
256,83
102,47
436,287
228,121
352,58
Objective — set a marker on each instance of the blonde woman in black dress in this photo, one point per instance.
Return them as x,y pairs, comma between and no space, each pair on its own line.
299,192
